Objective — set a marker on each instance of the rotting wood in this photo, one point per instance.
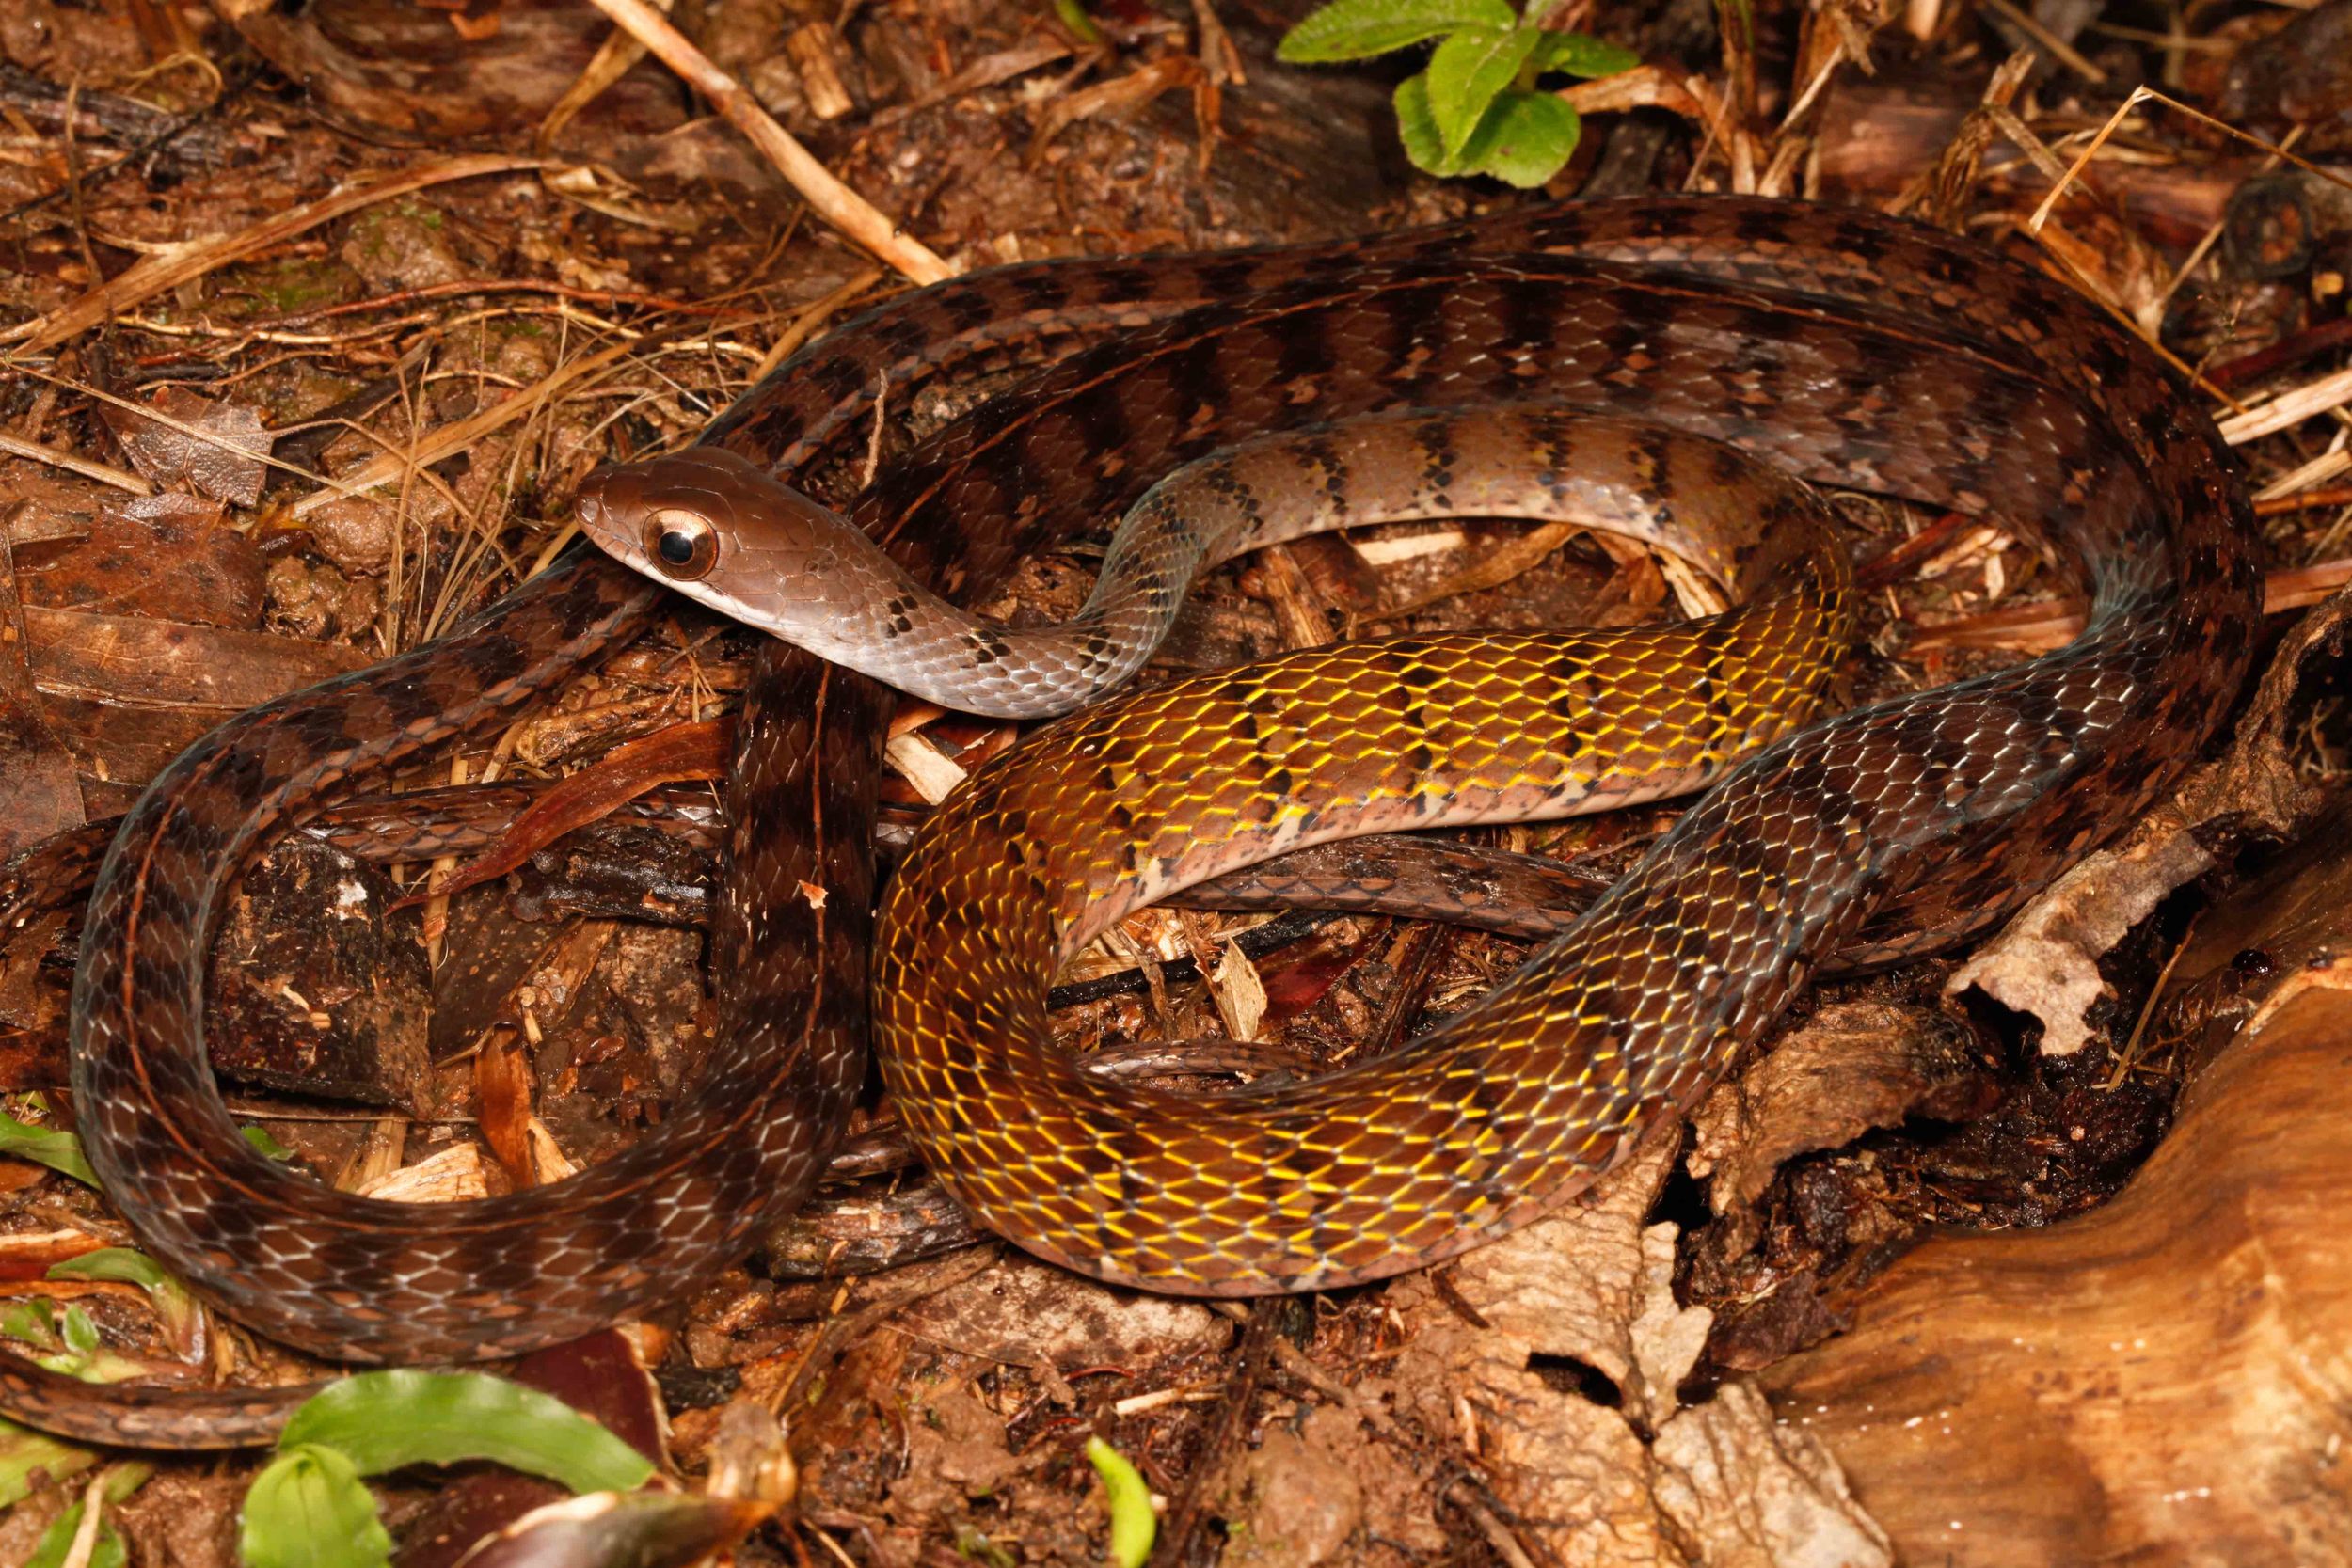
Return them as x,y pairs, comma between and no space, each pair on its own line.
2161,1380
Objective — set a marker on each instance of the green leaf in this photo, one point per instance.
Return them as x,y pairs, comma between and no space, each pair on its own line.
173,1304
25,1454
1082,27
34,1322
310,1509
1417,127
118,1263
44,1145
384,1420
1580,54
107,1551
1358,29
79,1334
266,1145
972,1546
1467,70
1525,140
67,1343
1133,1523
57,1540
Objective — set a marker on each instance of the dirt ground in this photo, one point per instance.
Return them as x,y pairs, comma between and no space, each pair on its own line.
453,254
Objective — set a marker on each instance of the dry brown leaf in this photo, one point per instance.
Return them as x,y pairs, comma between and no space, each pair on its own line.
1850,1067
1752,1493
165,557
1321,1489
2045,962
217,448
38,793
1503,1357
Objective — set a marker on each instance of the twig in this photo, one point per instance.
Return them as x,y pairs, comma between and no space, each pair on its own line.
1900,559
2129,1053
1186,1515
2143,94
85,1544
73,183
157,416
2220,225
2050,624
2288,408
1512,558
2287,352
832,200
464,287
1413,969
2306,501
106,474
614,59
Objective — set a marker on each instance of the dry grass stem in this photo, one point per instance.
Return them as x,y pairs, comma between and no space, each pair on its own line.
2057,48
446,440
121,478
613,60
814,316
2288,408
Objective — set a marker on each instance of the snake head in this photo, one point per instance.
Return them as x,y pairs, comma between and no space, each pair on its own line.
716,526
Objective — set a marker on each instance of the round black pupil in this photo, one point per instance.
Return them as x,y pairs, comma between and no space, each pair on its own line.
677,546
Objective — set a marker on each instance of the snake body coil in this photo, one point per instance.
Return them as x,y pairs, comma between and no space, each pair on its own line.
719,528
1495,1118
1852,349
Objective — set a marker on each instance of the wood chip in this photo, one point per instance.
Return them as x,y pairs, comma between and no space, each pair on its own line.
1240,994
933,773
1387,552
2288,408
452,1176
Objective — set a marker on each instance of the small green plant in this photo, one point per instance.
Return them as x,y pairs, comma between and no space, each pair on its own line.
311,1508
1478,108
60,1151
1133,1522
55,1545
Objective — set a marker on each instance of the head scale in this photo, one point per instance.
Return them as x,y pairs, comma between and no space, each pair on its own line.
710,523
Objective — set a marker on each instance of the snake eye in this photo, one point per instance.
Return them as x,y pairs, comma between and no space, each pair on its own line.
683,545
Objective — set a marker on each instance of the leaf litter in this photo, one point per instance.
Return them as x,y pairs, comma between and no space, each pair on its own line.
1567,1395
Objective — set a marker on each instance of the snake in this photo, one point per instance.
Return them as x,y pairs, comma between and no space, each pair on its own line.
1948,806
727,535
1848,348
